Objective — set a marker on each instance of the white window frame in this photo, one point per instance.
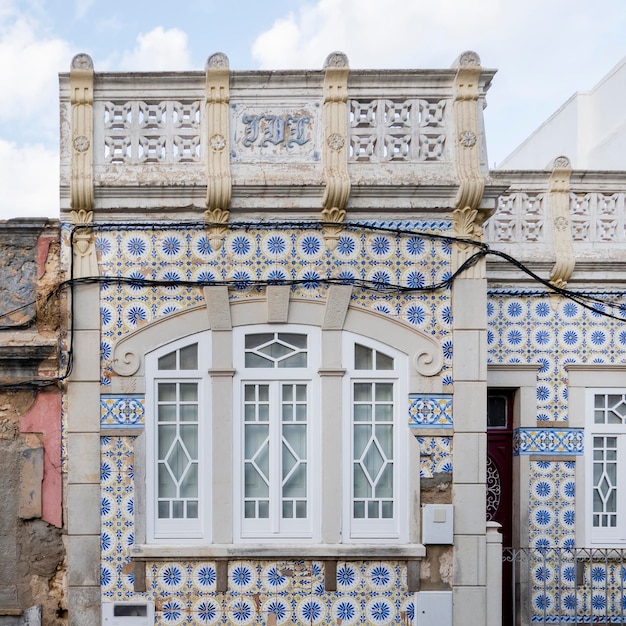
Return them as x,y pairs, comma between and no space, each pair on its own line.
604,536
178,530
395,529
275,528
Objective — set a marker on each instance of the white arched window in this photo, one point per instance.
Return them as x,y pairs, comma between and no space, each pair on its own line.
377,439
276,433
178,432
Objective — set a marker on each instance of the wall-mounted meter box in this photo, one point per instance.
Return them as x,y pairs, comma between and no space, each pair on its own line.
433,608
437,524
127,614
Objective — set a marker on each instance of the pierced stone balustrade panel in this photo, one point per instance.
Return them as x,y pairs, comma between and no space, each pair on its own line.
597,217
519,218
398,130
142,132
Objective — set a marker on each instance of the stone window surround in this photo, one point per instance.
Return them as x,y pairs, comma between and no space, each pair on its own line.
332,316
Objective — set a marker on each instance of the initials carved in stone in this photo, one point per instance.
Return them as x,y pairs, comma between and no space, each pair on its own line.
265,129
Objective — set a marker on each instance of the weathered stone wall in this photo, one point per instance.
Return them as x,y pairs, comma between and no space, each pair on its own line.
32,576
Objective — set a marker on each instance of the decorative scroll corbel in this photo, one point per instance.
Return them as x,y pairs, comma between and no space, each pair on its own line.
82,198
559,210
468,218
335,146
219,183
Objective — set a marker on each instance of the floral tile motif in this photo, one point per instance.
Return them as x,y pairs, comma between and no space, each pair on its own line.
548,441
435,456
550,332
383,253
430,411
120,411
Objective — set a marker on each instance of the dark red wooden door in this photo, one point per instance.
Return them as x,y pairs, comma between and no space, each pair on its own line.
500,481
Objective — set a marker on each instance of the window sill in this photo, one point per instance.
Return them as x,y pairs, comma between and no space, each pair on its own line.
264,551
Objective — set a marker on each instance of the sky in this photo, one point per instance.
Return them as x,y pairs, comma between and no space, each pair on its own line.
544,50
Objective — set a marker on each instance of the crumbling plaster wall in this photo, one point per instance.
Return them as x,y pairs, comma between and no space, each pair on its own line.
32,571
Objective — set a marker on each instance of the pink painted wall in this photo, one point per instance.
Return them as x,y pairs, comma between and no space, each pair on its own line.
45,417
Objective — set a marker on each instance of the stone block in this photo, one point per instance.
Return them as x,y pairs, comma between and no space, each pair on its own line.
468,299
469,601
83,560
83,407
83,453
83,509
86,307
470,559
469,458
469,508
86,351
84,606
31,477
470,407
469,361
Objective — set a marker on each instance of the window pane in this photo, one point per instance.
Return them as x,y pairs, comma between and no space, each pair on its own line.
167,392
264,509
301,509
301,393
189,435
257,339
301,412
249,510
178,509
249,393
359,509
287,509
363,357
264,393
166,435
167,488
164,510
189,392
189,357
297,360
384,392
295,436
287,392
384,436
362,392
189,486
372,509
362,434
362,488
387,508
362,413
276,350
384,412
189,413
295,486
384,486
192,509
166,413
287,413
256,487
167,362
295,339
383,362
255,436
255,360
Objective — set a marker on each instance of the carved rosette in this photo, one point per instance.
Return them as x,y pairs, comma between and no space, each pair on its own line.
334,148
559,211
219,183
81,189
467,217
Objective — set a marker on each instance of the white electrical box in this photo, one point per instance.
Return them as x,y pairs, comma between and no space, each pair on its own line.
437,524
127,613
433,608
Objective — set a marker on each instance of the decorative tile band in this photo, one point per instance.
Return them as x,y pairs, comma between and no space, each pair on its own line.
122,411
430,411
548,441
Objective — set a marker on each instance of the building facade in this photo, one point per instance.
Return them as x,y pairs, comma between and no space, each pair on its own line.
319,357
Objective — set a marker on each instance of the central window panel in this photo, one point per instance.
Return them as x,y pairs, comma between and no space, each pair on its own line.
275,434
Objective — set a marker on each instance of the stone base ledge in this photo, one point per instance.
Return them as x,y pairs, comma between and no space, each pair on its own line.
355,551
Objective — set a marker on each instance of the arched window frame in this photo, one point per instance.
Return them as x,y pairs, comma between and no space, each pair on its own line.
186,528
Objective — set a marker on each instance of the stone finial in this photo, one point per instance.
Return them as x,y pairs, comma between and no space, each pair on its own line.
469,58
561,163
217,61
336,59
82,61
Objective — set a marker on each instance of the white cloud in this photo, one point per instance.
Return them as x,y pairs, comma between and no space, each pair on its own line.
374,35
82,7
29,64
158,50
29,181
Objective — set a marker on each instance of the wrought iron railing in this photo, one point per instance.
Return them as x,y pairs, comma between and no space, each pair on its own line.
564,586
